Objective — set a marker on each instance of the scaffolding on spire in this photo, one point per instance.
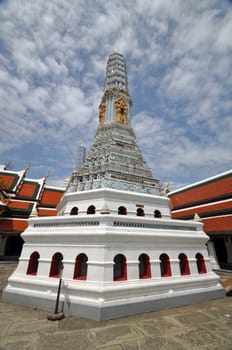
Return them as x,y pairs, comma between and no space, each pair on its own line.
79,157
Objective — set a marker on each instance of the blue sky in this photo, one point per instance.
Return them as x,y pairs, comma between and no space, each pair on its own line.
53,56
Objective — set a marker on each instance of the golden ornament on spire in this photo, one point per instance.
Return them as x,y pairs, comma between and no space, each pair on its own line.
121,111
102,111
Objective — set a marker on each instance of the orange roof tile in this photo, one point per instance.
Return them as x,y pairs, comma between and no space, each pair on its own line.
210,209
46,212
29,190
218,224
51,197
13,225
17,204
9,181
215,190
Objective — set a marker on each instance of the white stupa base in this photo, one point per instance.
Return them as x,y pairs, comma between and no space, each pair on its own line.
109,302
101,237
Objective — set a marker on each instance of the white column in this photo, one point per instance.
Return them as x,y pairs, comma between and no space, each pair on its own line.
113,119
212,255
228,245
2,244
44,267
175,267
193,266
100,271
133,270
155,268
68,270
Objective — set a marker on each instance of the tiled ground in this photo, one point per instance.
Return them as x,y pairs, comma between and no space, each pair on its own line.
202,326
206,325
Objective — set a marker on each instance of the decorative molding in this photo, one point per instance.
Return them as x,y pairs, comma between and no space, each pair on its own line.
72,223
162,226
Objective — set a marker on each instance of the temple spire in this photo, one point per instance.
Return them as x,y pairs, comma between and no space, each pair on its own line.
116,74
114,159
116,102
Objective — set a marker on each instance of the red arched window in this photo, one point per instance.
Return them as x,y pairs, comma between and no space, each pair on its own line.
56,266
201,263
144,266
81,267
184,264
91,209
120,268
122,211
140,212
165,267
74,211
157,214
33,264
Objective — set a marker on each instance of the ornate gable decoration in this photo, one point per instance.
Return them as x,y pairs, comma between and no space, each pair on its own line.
4,198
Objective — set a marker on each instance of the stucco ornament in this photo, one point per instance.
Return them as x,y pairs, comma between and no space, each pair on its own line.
102,111
121,111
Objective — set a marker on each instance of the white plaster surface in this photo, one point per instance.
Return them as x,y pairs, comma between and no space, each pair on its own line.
101,237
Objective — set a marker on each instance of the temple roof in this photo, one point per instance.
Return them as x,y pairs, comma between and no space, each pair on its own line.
30,189
22,197
51,197
11,179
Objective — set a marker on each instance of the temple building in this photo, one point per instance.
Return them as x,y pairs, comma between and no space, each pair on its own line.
211,201
113,242
20,199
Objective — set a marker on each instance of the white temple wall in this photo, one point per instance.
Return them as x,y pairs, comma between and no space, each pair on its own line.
100,258
101,243
113,200
101,237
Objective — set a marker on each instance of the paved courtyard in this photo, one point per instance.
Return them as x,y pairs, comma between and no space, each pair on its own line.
206,325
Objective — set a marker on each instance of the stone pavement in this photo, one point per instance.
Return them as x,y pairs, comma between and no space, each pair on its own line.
206,325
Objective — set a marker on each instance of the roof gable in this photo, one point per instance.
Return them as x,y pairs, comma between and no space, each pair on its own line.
11,179
30,189
51,197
